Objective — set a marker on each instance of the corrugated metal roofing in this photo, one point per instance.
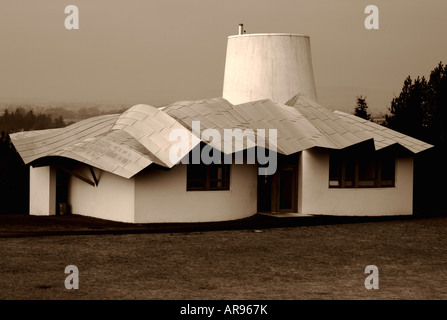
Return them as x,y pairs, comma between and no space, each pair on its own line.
127,143
384,137
122,144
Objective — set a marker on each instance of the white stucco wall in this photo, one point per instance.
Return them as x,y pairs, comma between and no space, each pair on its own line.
161,196
113,198
315,196
42,195
273,66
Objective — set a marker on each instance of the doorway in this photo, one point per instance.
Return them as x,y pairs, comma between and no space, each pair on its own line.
278,193
62,179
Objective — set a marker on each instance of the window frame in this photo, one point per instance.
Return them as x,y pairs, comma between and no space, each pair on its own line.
344,157
209,180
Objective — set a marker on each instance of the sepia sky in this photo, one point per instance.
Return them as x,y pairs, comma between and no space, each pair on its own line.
162,51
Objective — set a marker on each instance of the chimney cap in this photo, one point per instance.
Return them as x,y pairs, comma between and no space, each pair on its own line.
241,28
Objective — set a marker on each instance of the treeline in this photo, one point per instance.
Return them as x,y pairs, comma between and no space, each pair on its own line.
68,113
22,120
14,174
25,117
80,113
420,111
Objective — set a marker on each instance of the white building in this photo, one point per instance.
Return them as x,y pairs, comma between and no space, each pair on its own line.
118,167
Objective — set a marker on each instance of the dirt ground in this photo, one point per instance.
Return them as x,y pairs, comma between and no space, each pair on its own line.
307,261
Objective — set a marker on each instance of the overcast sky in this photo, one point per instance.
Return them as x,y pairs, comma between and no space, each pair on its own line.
157,52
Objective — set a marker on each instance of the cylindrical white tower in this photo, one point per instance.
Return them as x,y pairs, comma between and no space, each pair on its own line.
274,66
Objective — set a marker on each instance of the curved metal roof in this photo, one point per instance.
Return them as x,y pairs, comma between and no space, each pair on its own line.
126,143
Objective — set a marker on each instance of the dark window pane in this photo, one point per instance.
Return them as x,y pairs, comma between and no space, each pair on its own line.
219,185
335,170
388,169
196,185
349,183
196,177
208,177
367,168
219,177
216,172
349,169
349,172
387,183
367,172
196,171
367,183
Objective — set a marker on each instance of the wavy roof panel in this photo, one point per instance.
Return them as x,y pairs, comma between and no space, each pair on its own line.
384,137
126,143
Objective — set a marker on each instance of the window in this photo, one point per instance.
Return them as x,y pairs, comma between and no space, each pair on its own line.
202,177
346,170
335,170
387,172
367,172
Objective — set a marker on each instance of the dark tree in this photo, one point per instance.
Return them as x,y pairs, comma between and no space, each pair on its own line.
409,111
14,177
14,174
437,105
420,111
361,108
21,119
59,122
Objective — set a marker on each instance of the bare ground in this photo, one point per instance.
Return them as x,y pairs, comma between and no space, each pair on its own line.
283,263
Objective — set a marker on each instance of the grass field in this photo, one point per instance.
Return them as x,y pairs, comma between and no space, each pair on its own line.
301,262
